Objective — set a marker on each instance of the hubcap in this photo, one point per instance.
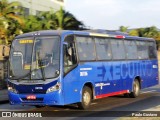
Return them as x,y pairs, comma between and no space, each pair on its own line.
136,89
86,98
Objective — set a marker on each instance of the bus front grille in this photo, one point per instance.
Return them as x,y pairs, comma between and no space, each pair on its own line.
32,92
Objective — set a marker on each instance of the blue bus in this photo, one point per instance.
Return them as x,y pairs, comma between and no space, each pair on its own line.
64,67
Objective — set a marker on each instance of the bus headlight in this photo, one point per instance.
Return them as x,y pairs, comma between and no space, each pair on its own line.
53,88
12,89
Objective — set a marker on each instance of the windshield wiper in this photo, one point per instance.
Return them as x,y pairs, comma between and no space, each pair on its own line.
34,70
41,67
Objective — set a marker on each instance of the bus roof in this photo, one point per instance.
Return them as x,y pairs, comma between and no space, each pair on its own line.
86,33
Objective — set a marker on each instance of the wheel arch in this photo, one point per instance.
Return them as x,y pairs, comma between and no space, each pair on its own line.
91,86
139,80
135,90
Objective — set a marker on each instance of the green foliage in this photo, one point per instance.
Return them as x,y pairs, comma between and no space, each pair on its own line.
32,23
133,33
10,21
65,20
123,28
150,32
48,20
13,22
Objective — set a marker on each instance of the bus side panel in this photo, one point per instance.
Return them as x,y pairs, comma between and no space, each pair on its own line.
109,78
149,73
100,74
71,86
117,77
74,81
147,70
104,76
109,75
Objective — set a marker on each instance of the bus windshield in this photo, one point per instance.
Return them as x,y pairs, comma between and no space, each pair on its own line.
35,58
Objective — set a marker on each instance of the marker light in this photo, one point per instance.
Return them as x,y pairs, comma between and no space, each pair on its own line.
120,36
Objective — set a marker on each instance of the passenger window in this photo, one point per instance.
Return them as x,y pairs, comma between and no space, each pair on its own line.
142,50
69,54
86,48
103,49
152,50
118,51
131,49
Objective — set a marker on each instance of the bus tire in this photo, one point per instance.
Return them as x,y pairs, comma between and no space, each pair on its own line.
136,89
126,95
86,98
39,106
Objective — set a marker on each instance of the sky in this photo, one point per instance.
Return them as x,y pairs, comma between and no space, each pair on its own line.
111,14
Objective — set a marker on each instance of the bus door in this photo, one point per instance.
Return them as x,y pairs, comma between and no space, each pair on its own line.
71,72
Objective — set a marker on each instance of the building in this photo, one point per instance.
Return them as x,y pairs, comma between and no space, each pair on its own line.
34,7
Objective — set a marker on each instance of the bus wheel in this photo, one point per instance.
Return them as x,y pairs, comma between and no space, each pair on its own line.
86,98
39,106
126,95
136,89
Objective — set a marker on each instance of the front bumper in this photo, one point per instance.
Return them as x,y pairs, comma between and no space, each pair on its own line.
52,98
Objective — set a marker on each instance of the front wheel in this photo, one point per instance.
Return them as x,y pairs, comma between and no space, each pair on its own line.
86,98
136,89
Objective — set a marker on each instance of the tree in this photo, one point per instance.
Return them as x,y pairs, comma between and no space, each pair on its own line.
3,34
133,33
10,18
123,28
65,20
48,20
10,11
51,20
151,32
32,23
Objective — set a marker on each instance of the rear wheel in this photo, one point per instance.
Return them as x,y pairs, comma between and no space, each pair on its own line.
39,106
126,95
86,98
136,89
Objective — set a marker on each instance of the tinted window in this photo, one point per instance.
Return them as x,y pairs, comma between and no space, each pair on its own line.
69,54
86,49
152,50
118,51
103,49
131,49
142,50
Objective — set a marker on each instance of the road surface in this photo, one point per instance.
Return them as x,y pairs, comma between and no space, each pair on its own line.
108,107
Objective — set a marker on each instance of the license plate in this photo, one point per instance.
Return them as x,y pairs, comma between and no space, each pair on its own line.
31,97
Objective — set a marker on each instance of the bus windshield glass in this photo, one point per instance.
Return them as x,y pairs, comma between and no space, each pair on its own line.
35,58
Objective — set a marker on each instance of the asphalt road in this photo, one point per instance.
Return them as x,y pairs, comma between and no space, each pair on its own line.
107,107
3,95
